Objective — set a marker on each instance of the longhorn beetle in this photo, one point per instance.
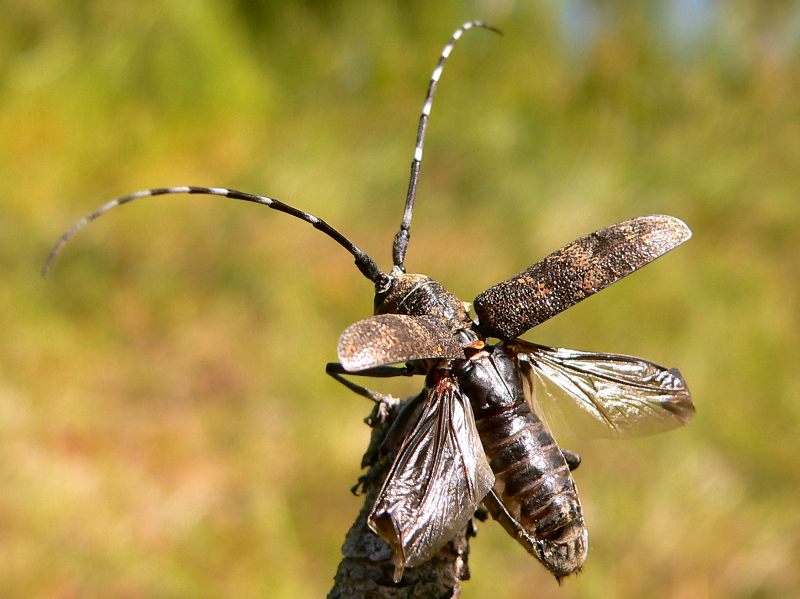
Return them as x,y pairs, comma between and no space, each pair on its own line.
477,436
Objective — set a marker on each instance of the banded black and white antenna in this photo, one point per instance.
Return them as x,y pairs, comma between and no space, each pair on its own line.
400,245
364,262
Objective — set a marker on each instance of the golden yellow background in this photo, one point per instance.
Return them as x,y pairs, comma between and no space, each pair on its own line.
166,426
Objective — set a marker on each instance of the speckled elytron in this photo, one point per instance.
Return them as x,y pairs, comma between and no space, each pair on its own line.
476,437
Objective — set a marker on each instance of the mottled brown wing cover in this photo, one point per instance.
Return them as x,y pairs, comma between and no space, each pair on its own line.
575,272
436,482
392,338
602,395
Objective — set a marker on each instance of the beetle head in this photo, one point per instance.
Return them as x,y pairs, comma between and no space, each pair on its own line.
419,295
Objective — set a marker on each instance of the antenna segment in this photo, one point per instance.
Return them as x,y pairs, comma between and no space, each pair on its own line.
365,264
402,237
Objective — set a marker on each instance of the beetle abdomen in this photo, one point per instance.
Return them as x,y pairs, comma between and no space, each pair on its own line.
536,500
534,485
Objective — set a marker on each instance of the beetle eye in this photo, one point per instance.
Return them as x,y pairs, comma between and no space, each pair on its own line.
382,289
384,284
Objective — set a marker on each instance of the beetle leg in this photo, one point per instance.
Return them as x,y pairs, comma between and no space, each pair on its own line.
499,512
573,459
337,371
481,515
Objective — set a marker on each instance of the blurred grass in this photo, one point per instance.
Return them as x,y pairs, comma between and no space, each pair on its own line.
166,428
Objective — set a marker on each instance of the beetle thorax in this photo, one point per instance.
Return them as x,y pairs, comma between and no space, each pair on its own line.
419,295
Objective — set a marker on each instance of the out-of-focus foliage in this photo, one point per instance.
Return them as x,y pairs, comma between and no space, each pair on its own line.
166,428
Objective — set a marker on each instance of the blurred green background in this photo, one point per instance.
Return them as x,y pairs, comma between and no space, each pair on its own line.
166,427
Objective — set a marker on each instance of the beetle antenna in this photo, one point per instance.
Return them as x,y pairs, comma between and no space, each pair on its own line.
403,235
365,264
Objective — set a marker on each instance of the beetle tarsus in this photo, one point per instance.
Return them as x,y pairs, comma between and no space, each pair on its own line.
573,459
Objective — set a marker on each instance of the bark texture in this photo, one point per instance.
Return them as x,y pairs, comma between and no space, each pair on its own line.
366,568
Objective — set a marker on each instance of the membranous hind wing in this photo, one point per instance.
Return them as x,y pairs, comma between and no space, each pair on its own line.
602,395
392,338
437,480
575,272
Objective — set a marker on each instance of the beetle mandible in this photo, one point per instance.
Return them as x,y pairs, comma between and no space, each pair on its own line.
476,438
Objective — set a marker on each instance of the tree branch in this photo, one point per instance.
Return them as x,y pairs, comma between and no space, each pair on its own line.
366,568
